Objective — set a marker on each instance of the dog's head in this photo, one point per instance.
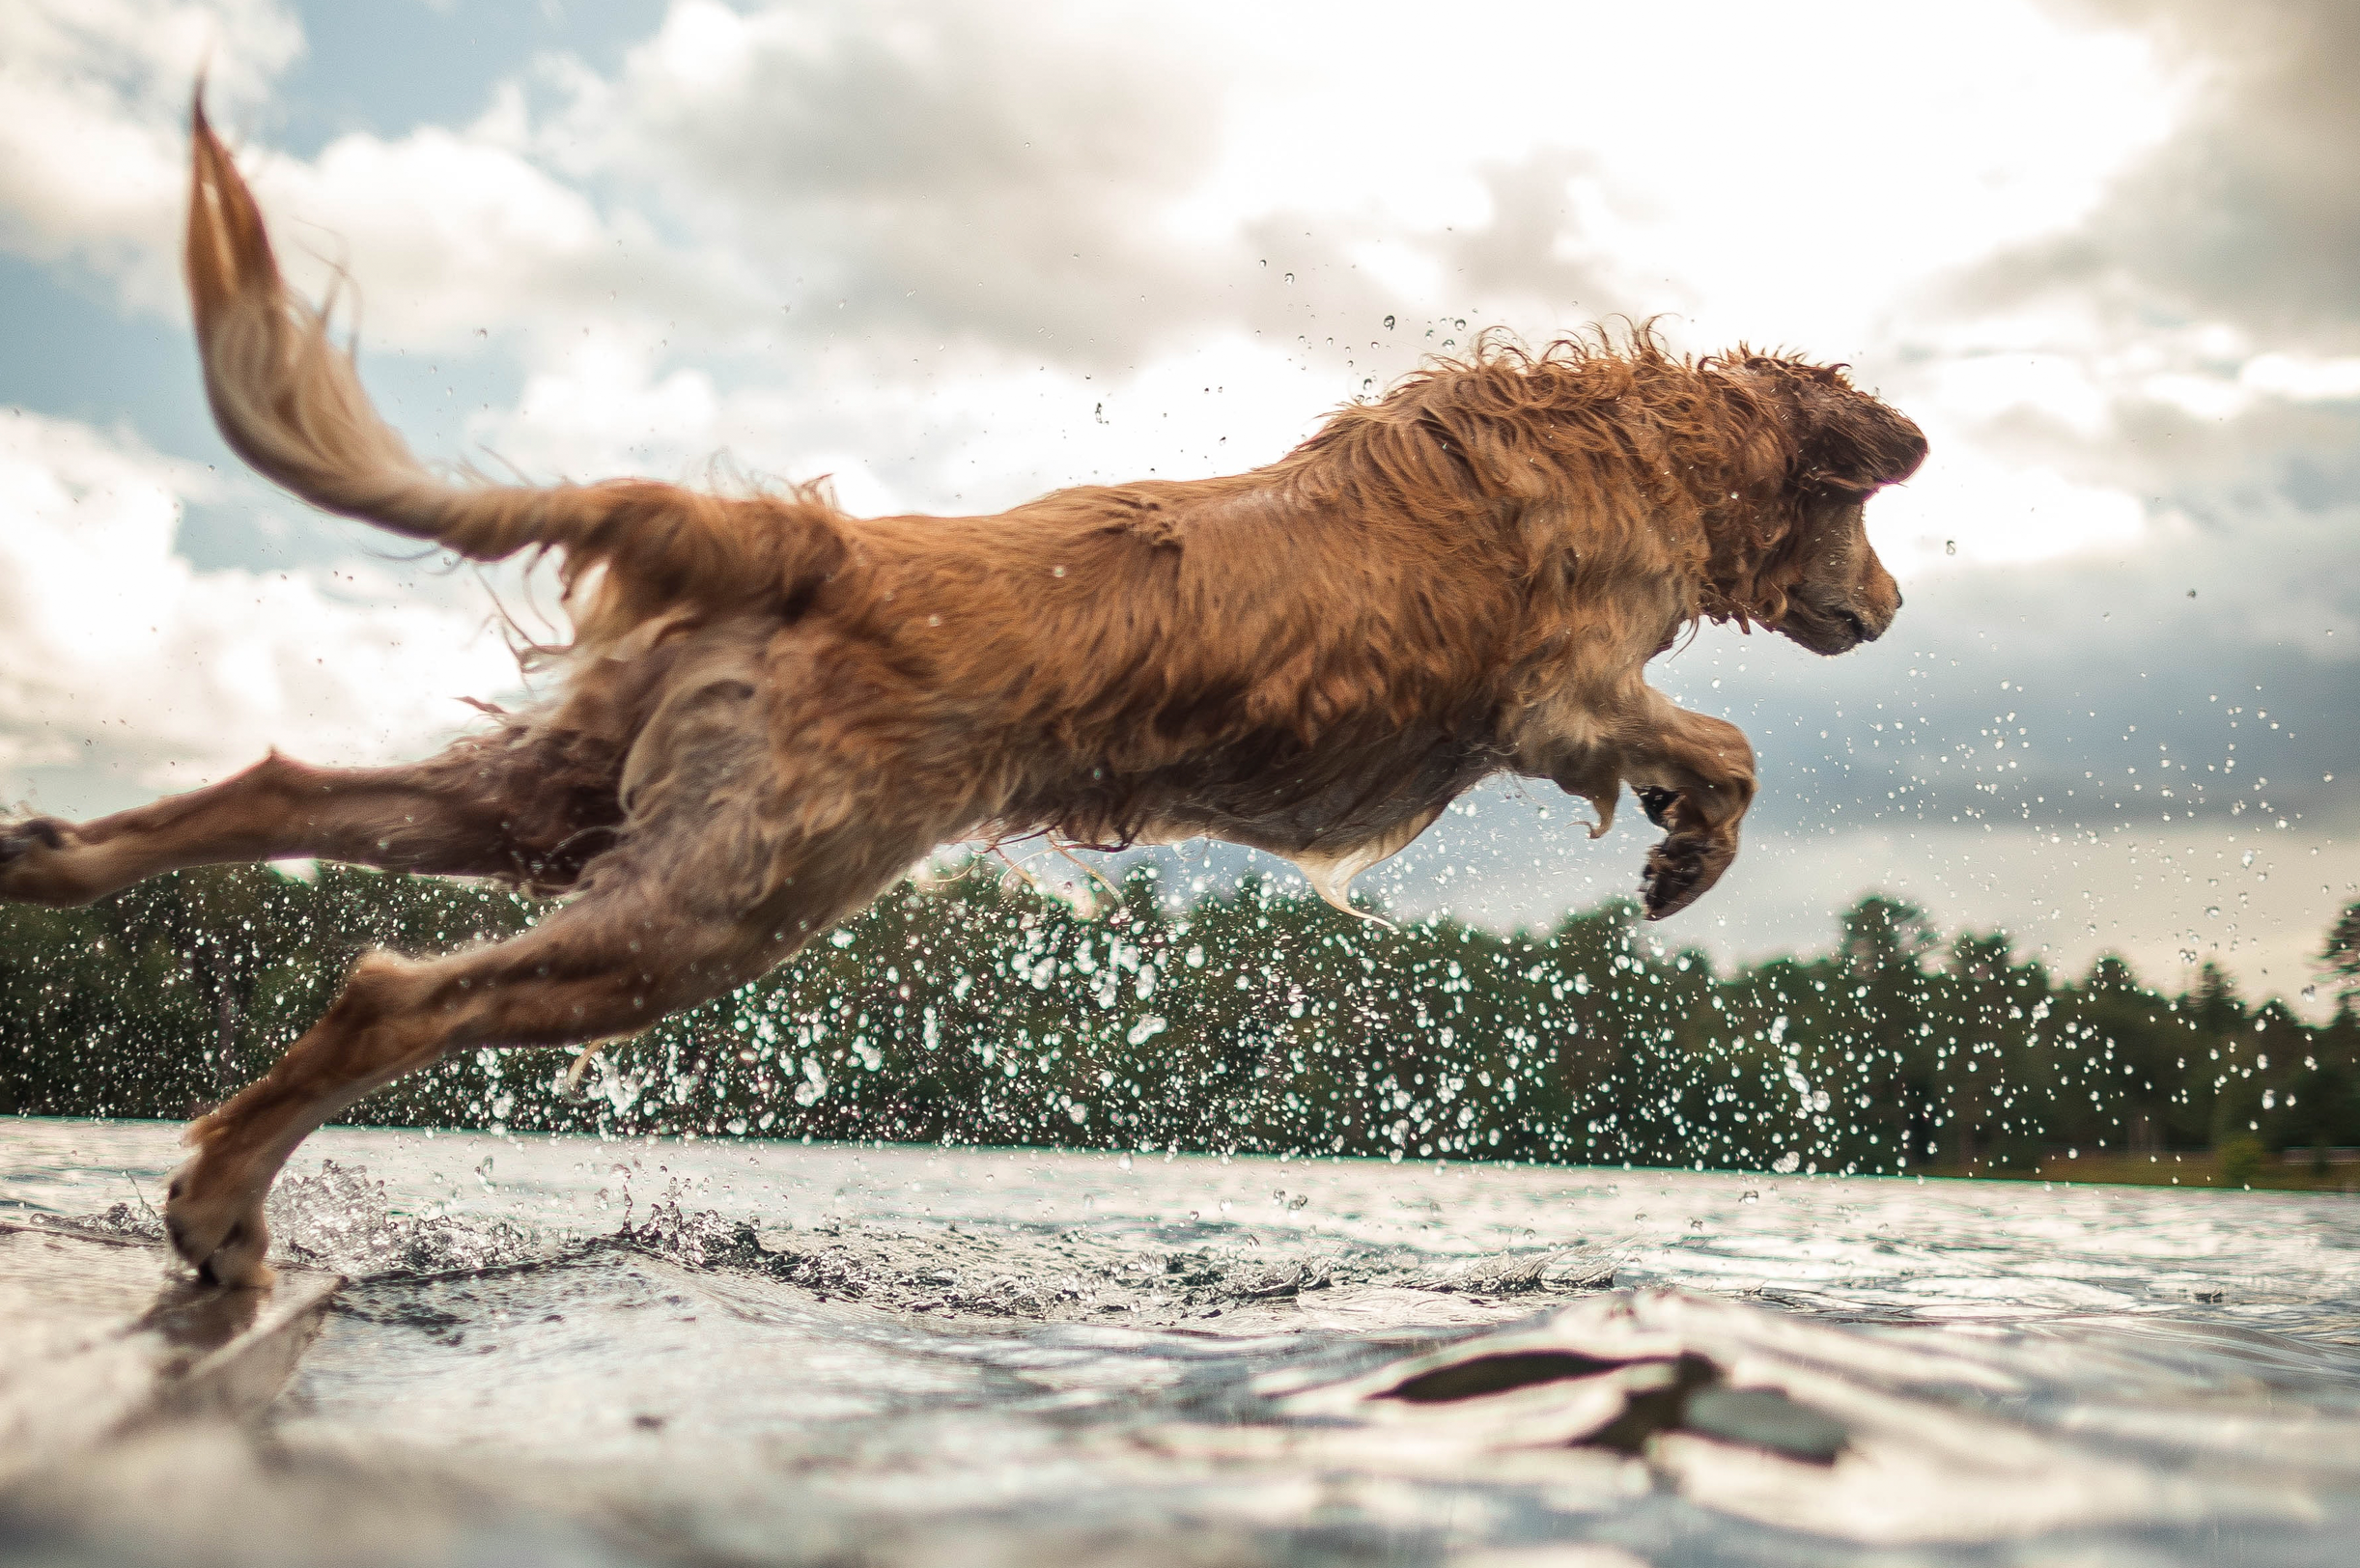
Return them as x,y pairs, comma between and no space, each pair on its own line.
1822,585
1841,595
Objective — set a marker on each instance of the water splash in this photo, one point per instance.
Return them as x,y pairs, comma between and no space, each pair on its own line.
340,1220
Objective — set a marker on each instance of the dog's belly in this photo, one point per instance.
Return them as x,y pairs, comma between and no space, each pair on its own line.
1333,819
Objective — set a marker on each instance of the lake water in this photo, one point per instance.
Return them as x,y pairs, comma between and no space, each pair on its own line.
558,1350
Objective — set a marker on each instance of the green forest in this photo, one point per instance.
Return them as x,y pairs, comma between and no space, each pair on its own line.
964,1009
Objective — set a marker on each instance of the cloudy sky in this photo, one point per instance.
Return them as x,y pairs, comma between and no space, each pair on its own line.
2107,252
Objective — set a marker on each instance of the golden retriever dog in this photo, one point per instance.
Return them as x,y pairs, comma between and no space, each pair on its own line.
771,710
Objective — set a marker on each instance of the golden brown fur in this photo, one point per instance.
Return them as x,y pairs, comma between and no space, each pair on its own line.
772,709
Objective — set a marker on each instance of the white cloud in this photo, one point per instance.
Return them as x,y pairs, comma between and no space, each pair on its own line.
969,432
1115,173
1975,388
119,657
1772,166
94,105
450,239
1977,507
2302,378
451,234
929,171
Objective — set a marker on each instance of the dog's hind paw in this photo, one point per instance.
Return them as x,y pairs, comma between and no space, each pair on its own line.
223,1236
27,833
25,844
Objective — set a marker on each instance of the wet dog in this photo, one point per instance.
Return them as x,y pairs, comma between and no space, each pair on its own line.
771,710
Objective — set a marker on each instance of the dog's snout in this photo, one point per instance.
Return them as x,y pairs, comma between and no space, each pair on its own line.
1873,621
1875,602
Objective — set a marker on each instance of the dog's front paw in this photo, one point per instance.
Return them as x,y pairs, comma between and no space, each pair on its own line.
216,1227
1679,871
1669,882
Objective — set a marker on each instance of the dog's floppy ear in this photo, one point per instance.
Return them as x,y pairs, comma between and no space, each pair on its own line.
1848,440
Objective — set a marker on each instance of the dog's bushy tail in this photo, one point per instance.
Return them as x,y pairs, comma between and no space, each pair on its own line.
290,403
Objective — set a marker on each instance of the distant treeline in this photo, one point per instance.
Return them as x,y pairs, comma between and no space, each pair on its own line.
968,1011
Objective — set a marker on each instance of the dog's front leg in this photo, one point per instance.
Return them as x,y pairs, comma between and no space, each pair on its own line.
1693,773
1694,776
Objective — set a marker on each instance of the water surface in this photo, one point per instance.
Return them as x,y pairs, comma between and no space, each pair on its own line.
567,1351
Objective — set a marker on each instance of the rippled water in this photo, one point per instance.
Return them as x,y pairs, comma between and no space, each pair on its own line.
563,1351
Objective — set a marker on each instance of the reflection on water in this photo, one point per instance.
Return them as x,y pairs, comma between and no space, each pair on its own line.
777,1353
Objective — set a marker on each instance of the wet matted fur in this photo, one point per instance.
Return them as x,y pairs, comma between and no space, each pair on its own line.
772,709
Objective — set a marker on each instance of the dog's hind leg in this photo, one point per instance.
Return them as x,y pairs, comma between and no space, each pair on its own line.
472,811
690,906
